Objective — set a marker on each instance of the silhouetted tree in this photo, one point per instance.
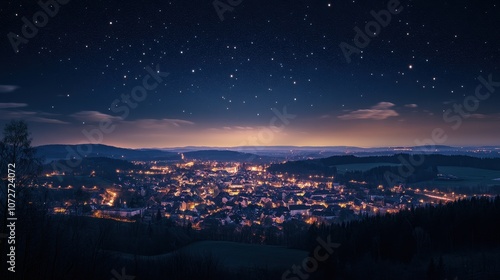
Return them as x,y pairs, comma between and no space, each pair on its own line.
431,270
15,149
17,154
440,269
158,216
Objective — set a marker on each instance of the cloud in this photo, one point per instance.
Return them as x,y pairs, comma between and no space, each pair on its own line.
94,116
47,120
158,123
380,111
478,116
383,105
244,127
485,116
232,128
429,112
8,88
39,117
12,105
411,105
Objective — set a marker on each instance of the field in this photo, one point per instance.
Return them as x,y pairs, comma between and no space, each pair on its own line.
467,177
343,168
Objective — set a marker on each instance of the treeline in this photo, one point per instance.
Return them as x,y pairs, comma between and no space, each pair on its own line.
290,234
469,226
76,247
92,166
381,175
326,166
304,167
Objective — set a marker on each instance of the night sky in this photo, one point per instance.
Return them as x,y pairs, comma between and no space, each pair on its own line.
226,76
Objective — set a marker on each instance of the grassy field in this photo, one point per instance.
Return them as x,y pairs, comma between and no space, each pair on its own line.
467,177
343,168
469,173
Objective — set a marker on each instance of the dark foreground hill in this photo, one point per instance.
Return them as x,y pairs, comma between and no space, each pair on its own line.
436,242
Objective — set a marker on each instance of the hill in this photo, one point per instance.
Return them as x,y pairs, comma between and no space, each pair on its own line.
232,255
225,155
55,152
329,164
101,167
62,152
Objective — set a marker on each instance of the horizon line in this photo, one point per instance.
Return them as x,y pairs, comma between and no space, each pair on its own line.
277,146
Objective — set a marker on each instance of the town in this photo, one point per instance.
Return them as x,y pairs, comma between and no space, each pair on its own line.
213,193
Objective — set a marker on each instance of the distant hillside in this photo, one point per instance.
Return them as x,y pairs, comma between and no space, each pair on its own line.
313,152
327,165
94,167
62,152
54,152
219,155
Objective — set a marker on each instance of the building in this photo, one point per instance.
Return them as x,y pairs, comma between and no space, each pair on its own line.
124,213
299,209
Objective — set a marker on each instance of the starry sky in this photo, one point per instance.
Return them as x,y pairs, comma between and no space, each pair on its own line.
256,73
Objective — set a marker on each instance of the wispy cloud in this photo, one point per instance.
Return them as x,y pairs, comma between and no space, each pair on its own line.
380,111
158,123
244,127
12,105
47,120
485,116
8,88
94,116
234,128
411,105
30,116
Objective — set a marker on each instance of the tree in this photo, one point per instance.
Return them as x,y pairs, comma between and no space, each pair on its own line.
15,148
80,198
158,216
431,270
440,269
17,155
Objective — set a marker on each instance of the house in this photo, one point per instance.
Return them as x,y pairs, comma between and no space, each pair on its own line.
299,209
124,213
